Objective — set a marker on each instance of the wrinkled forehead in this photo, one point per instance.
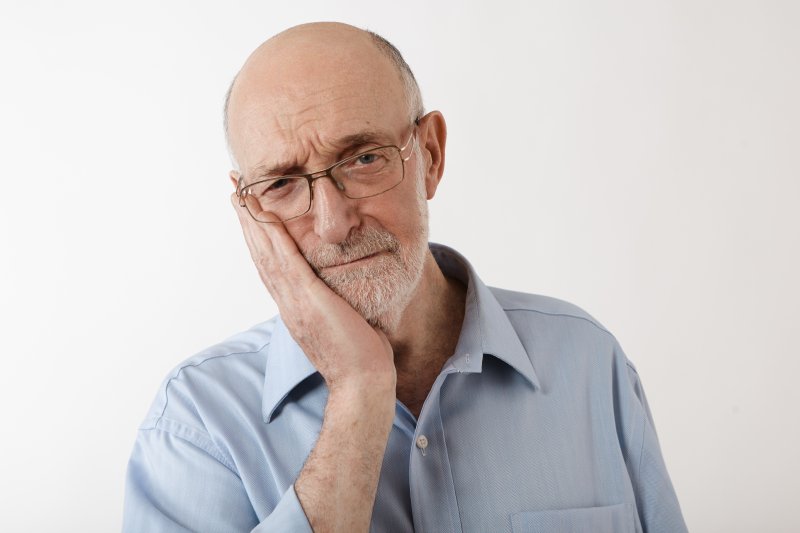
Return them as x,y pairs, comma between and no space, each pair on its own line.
295,102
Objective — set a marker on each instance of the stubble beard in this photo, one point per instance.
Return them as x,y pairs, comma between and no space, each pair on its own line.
381,288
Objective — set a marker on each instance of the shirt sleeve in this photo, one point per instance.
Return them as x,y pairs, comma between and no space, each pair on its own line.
177,481
287,516
656,501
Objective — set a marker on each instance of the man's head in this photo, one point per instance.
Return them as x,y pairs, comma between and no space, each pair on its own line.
412,93
318,93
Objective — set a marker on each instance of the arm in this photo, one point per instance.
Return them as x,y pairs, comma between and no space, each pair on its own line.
178,483
337,485
657,503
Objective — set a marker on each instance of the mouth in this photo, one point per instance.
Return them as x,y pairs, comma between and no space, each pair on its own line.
355,261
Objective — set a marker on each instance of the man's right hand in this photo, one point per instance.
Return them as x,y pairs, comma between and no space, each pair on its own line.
340,344
339,480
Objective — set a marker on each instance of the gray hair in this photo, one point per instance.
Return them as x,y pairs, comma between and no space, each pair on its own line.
413,94
410,87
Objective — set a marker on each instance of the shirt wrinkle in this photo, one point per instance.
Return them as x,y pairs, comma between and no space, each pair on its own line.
500,451
205,444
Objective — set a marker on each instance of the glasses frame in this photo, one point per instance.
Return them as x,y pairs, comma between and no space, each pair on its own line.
242,190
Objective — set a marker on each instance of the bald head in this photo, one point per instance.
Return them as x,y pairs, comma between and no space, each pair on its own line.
309,49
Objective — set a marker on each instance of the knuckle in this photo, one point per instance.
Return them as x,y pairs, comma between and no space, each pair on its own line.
262,262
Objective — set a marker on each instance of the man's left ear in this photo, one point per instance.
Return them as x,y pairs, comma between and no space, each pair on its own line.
432,139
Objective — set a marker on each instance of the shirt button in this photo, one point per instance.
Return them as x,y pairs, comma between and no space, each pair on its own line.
422,443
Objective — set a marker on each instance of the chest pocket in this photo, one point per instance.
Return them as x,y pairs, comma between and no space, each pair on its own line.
611,519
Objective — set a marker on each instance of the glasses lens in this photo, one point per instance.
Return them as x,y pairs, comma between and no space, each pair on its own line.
370,173
285,198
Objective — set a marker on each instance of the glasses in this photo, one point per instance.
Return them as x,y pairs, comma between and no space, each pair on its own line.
362,175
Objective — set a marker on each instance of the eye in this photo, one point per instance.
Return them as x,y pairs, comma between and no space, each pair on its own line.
277,184
276,188
366,159
364,165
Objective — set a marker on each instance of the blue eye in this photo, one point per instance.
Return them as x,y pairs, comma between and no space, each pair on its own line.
366,159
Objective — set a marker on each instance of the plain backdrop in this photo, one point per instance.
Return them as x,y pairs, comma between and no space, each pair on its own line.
640,159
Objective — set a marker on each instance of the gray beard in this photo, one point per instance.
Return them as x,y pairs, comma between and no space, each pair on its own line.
382,289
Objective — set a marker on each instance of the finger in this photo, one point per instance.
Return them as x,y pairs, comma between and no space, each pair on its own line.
285,249
260,248
288,257
274,251
257,240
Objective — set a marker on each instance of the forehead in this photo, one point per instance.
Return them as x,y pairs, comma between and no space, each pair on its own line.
298,103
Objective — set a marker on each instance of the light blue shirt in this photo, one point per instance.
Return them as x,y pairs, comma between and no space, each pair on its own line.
538,422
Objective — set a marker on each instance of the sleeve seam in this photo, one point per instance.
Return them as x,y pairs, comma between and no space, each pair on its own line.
565,315
181,369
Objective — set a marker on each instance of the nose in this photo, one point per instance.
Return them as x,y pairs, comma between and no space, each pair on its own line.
334,214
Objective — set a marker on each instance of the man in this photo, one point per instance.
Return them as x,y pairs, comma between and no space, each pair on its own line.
395,392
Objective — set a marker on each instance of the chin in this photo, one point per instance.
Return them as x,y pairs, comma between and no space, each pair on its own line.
381,291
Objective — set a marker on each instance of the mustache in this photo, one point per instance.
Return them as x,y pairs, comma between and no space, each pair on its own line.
359,244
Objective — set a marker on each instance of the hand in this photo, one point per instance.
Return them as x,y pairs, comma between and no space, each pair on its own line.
343,347
337,485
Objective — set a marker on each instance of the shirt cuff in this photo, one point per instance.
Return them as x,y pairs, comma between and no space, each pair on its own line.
287,516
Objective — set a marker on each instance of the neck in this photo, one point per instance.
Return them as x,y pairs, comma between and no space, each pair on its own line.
426,334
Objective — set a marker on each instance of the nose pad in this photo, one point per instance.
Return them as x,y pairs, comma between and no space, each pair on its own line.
339,185
336,183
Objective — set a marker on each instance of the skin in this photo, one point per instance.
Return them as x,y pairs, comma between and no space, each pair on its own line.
295,98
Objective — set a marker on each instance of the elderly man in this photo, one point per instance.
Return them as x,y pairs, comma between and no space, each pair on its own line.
395,391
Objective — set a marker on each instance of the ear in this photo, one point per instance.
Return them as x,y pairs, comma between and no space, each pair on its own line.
432,139
234,178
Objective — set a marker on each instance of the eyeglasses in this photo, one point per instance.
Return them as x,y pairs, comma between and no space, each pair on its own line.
362,175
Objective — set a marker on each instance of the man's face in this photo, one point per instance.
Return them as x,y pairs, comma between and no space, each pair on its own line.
301,108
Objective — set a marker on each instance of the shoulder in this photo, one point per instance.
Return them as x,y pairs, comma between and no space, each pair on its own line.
544,308
551,327
203,385
562,339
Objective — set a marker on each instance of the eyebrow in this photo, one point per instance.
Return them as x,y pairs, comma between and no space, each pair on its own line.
348,142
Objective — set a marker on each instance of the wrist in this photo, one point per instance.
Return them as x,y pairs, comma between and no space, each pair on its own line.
364,398
368,385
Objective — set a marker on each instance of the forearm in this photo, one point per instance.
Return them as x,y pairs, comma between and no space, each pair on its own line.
337,485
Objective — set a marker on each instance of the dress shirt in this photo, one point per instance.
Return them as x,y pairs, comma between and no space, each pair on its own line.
538,422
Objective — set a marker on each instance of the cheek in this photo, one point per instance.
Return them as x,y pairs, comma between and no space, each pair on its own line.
408,221
401,211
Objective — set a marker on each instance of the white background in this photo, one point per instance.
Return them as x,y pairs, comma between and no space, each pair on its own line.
639,159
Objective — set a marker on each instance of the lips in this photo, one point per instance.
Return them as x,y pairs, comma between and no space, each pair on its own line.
361,245
351,261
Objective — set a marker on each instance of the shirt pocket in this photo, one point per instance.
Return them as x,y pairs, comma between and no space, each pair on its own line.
611,519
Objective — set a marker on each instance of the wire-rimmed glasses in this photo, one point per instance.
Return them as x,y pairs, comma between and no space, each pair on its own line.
363,175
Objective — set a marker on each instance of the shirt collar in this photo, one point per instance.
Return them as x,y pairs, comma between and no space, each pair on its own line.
287,367
486,331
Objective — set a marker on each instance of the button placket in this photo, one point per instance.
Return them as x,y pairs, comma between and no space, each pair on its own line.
433,498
